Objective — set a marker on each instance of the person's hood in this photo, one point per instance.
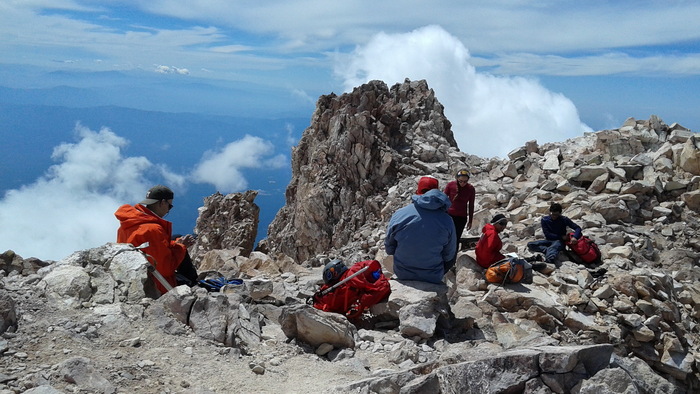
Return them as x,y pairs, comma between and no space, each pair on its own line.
488,228
433,200
136,215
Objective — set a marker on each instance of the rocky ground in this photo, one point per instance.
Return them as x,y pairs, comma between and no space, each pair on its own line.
112,348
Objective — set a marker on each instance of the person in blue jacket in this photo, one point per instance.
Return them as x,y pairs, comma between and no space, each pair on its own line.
554,228
422,236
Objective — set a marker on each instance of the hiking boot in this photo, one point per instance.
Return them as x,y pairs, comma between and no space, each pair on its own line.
539,266
537,257
598,273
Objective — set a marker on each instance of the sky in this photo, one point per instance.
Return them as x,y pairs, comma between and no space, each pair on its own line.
506,72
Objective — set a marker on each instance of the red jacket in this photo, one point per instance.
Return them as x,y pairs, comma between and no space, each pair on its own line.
462,199
488,249
358,294
139,225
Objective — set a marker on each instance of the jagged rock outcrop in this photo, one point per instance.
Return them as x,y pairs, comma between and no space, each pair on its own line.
358,146
226,222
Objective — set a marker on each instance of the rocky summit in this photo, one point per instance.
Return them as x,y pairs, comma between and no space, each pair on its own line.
89,322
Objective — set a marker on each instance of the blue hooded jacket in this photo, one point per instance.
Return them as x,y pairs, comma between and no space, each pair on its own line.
422,238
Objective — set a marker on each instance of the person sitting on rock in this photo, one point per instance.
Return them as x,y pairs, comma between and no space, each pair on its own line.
554,228
143,222
488,249
421,236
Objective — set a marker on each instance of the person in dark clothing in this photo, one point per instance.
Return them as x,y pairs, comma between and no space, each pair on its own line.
186,273
554,228
461,195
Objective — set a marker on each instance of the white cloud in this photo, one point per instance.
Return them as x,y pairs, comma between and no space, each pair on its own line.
290,139
72,206
222,168
171,70
230,48
602,64
490,115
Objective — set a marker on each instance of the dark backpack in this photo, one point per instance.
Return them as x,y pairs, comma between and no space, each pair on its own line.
215,284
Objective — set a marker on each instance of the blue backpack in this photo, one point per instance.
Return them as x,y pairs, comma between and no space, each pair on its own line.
216,284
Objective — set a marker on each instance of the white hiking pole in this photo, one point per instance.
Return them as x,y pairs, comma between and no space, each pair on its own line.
154,272
328,290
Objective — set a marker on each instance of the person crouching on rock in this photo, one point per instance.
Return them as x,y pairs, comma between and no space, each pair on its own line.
422,236
143,222
488,249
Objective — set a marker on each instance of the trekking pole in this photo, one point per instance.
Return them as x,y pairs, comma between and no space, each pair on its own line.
335,286
154,272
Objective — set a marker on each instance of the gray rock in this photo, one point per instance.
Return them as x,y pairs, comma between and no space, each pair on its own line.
79,371
8,313
316,327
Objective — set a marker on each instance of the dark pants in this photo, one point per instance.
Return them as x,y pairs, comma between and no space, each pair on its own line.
550,249
186,274
460,223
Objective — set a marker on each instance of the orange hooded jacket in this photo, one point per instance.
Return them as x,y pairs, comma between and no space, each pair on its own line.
139,225
488,249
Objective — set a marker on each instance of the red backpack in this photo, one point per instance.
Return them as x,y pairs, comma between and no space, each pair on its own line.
356,295
585,249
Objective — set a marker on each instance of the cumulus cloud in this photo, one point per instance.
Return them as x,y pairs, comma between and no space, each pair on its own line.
222,167
490,115
72,206
160,69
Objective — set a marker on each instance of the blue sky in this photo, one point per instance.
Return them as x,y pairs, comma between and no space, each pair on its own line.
506,72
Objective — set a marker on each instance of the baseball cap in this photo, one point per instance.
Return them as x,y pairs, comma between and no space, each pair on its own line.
157,193
426,183
464,173
500,218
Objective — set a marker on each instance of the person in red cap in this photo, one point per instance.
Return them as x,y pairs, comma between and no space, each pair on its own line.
421,236
143,222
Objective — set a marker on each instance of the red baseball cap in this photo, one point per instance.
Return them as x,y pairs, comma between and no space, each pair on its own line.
426,183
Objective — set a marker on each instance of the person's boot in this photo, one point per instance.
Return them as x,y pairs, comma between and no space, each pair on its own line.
539,266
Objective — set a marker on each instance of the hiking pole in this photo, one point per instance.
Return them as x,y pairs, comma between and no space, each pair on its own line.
154,271
335,286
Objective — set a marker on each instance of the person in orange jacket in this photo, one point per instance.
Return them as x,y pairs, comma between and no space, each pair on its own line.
488,249
143,222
